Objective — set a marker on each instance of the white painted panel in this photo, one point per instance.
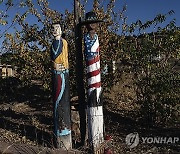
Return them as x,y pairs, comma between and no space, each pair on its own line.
95,125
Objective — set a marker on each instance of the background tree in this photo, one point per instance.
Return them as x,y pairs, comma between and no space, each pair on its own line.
156,81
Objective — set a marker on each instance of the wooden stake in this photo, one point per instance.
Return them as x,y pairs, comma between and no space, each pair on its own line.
80,70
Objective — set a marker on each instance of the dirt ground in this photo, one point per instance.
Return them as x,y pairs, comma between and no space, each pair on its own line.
28,120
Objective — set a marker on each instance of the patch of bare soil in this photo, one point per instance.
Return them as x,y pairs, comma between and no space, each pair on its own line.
28,120
21,123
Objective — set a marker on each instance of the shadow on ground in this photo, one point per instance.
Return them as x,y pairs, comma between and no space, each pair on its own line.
119,126
26,111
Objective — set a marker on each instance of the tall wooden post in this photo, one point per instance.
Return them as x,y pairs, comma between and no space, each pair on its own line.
94,105
80,70
61,98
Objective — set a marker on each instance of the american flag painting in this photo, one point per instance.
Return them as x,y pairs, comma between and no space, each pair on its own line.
93,63
94,108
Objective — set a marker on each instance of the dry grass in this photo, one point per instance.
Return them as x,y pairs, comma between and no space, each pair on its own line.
30,121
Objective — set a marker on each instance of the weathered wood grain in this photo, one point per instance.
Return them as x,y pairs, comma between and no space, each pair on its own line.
12,148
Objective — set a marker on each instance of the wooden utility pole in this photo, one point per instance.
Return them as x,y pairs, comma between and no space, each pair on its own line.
80,70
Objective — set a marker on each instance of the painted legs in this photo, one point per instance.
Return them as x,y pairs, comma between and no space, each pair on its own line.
61,113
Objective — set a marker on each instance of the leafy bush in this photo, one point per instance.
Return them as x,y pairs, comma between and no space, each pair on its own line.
150,57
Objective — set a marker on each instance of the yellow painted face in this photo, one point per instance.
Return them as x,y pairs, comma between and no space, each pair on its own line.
56,29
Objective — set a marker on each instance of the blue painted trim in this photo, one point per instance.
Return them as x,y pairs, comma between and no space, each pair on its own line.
64,132
62,90
62,74
58,51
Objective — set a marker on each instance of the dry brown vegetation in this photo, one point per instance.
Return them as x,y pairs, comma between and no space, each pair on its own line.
28,120
141,96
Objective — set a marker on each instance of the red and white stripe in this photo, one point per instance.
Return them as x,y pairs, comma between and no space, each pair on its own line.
95,114
93,71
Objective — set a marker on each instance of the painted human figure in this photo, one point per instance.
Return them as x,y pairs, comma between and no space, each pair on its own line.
92,57
61,98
